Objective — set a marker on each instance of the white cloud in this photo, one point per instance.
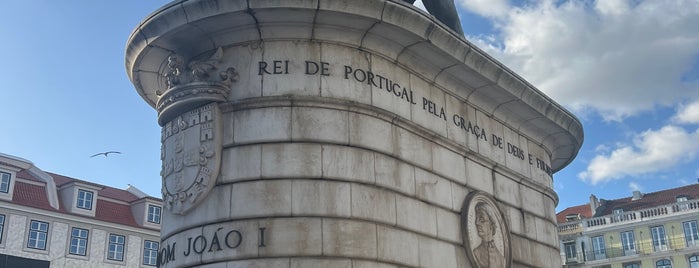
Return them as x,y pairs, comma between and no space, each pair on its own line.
612,7
602,148
651,151
635,186
487,8
688,113
614,57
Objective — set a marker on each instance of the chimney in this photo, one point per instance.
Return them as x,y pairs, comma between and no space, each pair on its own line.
637,195
594,204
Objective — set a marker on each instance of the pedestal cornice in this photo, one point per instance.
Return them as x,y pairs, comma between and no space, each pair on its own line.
396,31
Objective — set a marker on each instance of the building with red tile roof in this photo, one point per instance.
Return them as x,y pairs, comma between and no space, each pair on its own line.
657,229
51,219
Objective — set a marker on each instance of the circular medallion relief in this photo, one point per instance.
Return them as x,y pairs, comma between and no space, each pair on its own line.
485,233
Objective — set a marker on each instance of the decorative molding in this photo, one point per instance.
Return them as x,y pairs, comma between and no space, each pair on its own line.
193,84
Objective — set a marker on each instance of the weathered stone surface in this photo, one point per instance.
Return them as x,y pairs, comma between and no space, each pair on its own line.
319,125
320,263
241,163
349,239
521,249
448,163
435,253
532,201
416,215
261,125
394,174
370,264
507,190
348,163
370,132
479,177
261,199
292,237
432,188
449,226
322,198
373,204
458,194
413,148
397,246
291,160
515,219
260,263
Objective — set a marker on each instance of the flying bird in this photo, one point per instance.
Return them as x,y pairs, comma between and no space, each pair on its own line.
105,153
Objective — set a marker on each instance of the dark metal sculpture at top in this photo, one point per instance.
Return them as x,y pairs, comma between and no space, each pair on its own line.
444,11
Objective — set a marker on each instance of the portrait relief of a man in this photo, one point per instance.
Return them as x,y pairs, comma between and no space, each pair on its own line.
485,234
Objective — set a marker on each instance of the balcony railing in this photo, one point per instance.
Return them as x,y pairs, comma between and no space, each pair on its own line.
677,244
570,228
690,206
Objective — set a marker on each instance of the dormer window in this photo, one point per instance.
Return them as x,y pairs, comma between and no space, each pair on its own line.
154,214
681,198
85,199
572,217
5,182
618,211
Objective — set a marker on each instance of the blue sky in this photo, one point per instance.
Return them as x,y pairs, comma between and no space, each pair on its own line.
628,69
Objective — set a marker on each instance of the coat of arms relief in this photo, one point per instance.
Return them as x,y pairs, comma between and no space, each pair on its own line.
192,130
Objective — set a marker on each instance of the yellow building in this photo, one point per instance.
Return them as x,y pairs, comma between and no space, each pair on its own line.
652,230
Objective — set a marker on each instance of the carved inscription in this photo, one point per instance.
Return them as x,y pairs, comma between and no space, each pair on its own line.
222,239
399,90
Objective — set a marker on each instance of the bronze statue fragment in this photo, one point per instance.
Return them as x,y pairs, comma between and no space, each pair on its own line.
444,11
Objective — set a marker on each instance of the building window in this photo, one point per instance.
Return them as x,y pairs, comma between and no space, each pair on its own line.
154,214
85,199
694,261
5,182
572,217
571,252
2,227
682,199
598,248
38,232
628,243
78,241
691,234
658,236
663,264
115,251
150,253
632,265
618,211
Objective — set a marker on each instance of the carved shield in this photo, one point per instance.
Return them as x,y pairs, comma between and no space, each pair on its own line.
191,155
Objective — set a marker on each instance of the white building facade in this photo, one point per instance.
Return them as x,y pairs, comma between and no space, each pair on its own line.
52,220
651,230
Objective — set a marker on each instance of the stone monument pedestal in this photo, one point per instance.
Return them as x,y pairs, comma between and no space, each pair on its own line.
363,133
